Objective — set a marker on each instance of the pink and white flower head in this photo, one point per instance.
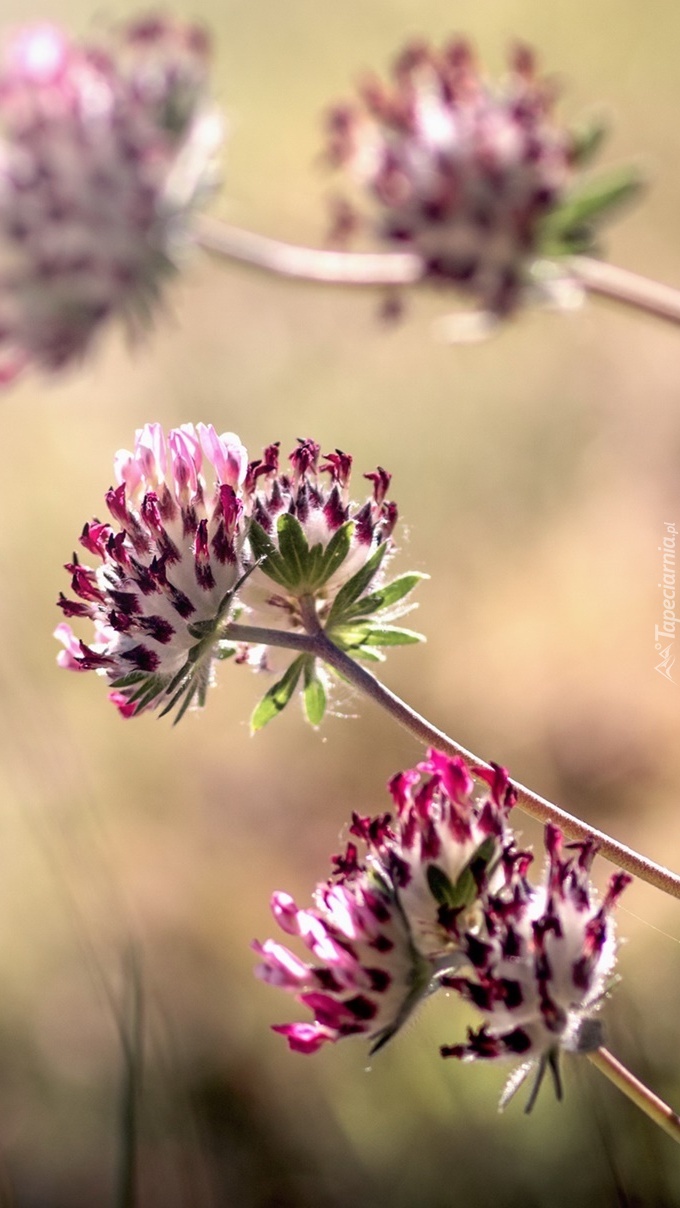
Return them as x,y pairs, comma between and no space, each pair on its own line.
365,976
386,927
454,168
104,152
541,964
308,512
169,561
448,842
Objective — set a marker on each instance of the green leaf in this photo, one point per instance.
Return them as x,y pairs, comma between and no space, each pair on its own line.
356,586
572,226
294,551
369,654
314,567
314,695
440,885
335,553
483,856
349,637
275,700
385,597
391,635
464,892
133,677
587,138
265,552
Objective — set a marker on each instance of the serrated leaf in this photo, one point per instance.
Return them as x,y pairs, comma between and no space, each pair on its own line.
571,227
275,700
385,597
587,138
314,695
356,586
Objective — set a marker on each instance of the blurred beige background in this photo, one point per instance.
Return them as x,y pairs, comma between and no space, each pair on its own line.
534,475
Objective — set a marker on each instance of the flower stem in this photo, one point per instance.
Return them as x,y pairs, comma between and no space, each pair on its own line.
316,642
380,269
637,1092
253,634
630,289
306,263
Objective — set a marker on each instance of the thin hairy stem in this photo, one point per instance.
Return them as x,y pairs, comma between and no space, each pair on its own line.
316,642
233,632
637,1092
380,269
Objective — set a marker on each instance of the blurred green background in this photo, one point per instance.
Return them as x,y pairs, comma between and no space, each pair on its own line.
534,476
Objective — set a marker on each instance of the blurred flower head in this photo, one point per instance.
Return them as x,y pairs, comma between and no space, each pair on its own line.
389,923
170,560
477,178
540,965
104,152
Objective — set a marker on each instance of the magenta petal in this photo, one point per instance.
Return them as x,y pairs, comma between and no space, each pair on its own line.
303,1037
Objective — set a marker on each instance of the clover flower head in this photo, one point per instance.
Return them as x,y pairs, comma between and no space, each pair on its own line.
314,536
365,976
540,966
104,152
470,175
169,559
318,562
191,522
387,925
449,842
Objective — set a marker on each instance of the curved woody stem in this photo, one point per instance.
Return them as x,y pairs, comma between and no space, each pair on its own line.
317,643
381,269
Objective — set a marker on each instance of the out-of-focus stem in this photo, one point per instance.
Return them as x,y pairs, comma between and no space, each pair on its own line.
380,269
317,643
630,289
637,1092
306,263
